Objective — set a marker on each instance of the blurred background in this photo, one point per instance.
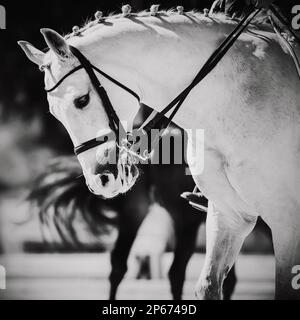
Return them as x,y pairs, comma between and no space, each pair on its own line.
62,251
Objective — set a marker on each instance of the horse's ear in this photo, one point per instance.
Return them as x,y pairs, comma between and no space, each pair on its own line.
32,53
56,43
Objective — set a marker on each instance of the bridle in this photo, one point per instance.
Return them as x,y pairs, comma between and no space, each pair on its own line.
114,121
157,120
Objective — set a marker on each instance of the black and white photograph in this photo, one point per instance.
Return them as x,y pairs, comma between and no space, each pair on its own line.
150,151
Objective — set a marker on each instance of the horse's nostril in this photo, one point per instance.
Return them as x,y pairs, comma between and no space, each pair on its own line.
104,179
133,170
106,153
91,190
126,171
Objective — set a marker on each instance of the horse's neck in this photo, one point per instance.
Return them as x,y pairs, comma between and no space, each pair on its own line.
158,66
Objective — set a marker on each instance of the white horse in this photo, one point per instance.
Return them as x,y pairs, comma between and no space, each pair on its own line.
248,107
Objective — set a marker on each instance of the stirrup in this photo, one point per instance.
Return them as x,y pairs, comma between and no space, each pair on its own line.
194,198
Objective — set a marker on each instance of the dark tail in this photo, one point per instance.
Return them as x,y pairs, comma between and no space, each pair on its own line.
70,216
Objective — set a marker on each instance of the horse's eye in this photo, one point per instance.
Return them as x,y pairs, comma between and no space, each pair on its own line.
82,101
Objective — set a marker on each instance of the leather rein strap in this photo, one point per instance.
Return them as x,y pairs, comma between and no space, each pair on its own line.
159,121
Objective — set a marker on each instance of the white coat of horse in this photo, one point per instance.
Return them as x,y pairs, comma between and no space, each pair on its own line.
248,106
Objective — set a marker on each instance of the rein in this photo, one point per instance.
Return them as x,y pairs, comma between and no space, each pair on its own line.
159,120
156,120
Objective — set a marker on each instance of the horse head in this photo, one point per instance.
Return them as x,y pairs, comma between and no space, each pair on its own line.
75,102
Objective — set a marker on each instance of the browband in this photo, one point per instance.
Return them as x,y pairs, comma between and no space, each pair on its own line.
63,78
121,85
